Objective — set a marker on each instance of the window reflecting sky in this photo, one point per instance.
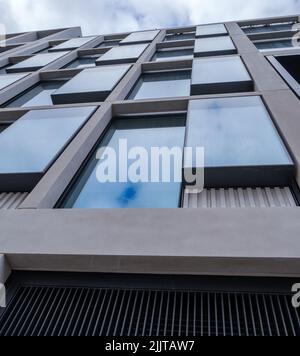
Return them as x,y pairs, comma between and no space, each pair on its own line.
144,132
235,132
25,146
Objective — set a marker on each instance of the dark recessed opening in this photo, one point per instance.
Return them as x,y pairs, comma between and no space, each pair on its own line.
291,65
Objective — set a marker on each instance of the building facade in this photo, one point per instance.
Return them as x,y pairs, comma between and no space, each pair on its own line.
82,258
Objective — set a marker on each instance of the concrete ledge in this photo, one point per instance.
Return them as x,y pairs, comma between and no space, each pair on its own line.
250,242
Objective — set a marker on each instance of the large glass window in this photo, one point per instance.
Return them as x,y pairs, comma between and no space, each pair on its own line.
275,44
180,36
83,62
36,62
220,75
242,145
213,46
147,132
268,28
108,43
122,54
173,55
39,95
140,37
90,85
8,79
72,44
30,145
162,85
211,30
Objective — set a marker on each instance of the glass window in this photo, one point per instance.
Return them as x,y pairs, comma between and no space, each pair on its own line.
36,62
284,43
122,54
25,147
213,46
220,75
90,85
72,44
180,36
237,132
106,44
173,55
139,37
139,132
268,28
83,62
162,85
211,30
8,79
39,95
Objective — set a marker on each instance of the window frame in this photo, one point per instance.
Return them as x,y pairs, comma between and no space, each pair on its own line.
214,88
26,181
60,204
136,87
248,175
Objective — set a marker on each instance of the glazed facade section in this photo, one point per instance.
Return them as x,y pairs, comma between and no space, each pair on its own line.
232,88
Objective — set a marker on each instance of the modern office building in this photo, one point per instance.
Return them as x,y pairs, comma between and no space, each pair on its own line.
79,257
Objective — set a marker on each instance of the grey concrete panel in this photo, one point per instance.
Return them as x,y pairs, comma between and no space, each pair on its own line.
285,108
217,241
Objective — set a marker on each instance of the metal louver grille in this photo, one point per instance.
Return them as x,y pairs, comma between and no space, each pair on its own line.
11,200
118,312
241,198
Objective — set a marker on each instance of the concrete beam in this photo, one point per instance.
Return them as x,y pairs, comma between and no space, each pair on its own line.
245,242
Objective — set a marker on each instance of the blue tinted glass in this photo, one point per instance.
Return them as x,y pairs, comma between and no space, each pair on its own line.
73,43
143,132
162,85
8,79
36,62
33,142
173,55
219,70
210,30
274,44
144,36
180,37
93,84
106,44
268,28
127,52
204,46
235,132
85,62
40,95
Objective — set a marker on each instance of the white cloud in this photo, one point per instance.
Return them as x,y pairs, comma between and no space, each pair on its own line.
109,16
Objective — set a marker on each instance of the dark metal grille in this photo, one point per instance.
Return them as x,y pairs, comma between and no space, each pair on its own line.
118,312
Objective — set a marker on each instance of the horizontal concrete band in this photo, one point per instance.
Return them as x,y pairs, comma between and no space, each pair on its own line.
258,242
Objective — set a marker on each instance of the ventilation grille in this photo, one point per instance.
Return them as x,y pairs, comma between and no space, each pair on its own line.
60,311
11,200
241,198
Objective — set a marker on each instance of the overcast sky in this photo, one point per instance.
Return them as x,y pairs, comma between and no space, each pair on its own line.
109,16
